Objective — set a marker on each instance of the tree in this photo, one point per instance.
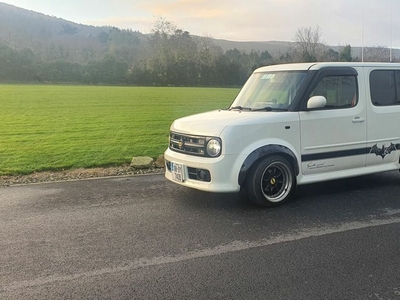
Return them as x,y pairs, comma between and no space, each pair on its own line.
68,29
163,27
109,70
309,41
330,55
376,54
176,58
159,51
345,54
103,37
265,58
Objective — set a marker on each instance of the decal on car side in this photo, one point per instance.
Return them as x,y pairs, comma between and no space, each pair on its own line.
383,151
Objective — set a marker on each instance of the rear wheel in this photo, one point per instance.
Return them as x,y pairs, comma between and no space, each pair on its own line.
271,181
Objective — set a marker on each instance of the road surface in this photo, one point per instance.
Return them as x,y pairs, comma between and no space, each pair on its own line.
142,237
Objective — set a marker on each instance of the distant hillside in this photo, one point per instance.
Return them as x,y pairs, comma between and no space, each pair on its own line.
38,48
29,24
55,37
273,47
276,48
21,28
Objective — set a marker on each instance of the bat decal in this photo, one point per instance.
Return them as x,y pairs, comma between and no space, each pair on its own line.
383,151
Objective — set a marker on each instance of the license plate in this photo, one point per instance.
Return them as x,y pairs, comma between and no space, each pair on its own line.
177,173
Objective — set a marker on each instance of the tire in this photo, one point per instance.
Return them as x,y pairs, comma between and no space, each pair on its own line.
270,181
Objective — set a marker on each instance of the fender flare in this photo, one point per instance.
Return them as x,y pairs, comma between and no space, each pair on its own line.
265,151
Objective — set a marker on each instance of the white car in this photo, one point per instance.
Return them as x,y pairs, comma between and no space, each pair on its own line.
292,124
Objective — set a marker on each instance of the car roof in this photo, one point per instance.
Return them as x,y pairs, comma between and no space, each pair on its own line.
320,65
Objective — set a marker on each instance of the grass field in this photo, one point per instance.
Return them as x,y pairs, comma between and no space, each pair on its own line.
46,127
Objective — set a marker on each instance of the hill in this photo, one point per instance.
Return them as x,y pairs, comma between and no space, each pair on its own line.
21,28
39,48
54,38
273,47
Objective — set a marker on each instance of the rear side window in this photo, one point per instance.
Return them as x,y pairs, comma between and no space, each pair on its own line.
385,87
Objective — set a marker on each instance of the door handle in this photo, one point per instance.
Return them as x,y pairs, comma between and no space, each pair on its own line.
358,120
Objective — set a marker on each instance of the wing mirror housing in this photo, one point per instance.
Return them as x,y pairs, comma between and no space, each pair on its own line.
316,102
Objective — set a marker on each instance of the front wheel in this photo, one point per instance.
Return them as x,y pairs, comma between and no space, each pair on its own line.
271,181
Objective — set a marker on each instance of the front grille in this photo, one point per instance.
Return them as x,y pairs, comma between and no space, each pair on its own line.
188,144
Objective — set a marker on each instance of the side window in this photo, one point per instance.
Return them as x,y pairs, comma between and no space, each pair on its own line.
397,76
339,91
383,87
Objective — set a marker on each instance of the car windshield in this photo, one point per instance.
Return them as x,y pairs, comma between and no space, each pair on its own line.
269,91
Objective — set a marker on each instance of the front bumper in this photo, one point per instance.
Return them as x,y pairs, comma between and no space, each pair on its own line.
218,174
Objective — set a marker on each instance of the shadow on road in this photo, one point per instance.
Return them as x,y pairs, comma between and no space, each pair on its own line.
368,191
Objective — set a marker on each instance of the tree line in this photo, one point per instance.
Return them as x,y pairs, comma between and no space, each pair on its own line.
168,56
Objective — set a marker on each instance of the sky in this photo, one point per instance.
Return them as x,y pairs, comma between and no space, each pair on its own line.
342,22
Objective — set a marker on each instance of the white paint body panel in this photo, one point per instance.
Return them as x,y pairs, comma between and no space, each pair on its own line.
241,133
383,125
302,132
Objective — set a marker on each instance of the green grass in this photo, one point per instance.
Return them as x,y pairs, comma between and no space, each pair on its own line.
61,127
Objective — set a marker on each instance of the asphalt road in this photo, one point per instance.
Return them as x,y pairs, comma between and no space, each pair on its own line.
145,238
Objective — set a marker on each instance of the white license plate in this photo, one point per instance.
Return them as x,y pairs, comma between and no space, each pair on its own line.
177,172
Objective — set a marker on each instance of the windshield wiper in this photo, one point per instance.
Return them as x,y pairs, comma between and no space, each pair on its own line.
269,108
240,108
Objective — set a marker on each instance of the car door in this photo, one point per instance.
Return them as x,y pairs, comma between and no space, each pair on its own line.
383,117
333,137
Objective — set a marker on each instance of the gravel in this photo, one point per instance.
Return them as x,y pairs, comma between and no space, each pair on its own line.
76,174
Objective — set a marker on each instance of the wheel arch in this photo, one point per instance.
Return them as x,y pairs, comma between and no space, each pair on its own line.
264,151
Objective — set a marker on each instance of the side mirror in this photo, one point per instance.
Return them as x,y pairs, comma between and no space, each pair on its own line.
316,102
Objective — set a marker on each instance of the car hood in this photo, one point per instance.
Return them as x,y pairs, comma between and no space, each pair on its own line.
214,122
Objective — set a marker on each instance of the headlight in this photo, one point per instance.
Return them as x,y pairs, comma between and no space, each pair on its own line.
213,147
